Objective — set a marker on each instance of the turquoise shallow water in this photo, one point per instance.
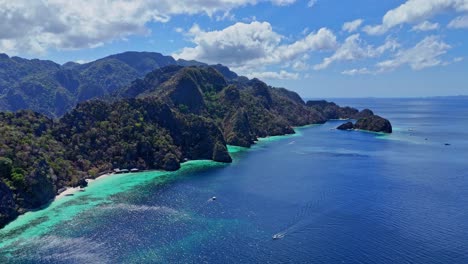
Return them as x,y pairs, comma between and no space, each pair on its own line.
334,196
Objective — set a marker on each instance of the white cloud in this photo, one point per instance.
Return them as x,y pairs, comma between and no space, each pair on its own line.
311,3
423,55
36,26
226,16
354,48
352,26
282,75
413,11
459,22
300,65
425,26
360,71
283,2
234,45
253,46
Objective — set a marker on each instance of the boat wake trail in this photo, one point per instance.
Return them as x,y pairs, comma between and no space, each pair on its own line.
313,215
300,221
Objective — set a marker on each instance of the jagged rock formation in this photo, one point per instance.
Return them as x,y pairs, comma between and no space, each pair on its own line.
374,123
346,126
172,114
53,89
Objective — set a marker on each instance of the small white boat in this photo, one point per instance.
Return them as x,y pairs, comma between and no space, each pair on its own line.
277,236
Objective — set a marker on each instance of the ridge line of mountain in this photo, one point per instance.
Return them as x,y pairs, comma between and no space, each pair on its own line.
173,113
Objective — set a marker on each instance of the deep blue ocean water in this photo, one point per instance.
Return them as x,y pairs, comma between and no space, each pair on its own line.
332,196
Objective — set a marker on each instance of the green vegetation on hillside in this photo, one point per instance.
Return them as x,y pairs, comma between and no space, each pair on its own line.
173,114
52,89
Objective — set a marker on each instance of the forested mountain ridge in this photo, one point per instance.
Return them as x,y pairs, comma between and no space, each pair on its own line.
53,89
173,113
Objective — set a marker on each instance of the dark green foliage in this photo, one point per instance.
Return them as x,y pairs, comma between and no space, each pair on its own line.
39,156
220,153
331,110
5,167
243,111
8,207
149,84
31,159
374,123
173,114
125,134
52,89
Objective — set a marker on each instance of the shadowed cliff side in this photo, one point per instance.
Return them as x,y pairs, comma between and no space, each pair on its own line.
173,114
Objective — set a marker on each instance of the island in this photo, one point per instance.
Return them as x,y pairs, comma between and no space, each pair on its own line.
177,111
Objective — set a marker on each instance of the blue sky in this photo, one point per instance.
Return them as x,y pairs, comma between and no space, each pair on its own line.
321,48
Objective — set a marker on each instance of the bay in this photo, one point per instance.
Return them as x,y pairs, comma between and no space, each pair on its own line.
331,197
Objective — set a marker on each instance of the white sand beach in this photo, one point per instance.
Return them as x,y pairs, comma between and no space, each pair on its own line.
72,190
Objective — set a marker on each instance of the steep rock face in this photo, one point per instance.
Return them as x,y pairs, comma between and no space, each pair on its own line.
231,95
186,95
188,88
136,133
260,90
243,111
39,187
174,113
53,89
346,126
7,205
220,153
363,114
237,130
374,123
226,72
102,77
290,94
38,156
200,138
143,62
288,105
149,84
331,110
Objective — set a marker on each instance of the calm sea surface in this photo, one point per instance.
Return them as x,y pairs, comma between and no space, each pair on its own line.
329,196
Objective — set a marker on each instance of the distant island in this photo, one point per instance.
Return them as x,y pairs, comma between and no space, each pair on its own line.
62,124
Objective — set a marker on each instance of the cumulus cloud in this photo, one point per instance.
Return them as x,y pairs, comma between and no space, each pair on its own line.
424,54
253,45
425,26
352,26
459,22
413,11
354,48
233,45
36,26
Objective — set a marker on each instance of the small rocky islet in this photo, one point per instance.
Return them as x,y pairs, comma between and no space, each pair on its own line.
174,113
372,123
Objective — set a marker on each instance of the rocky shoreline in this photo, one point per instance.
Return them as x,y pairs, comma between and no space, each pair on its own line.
173,114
